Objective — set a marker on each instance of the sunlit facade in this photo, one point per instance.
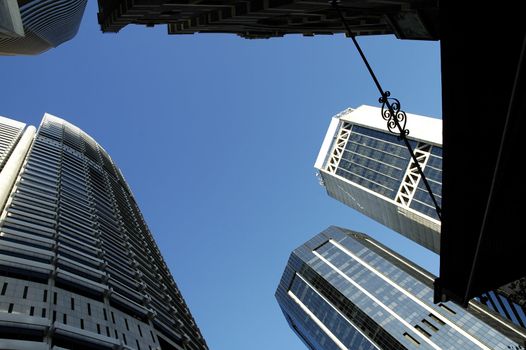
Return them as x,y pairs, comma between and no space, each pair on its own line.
79,268
343,290
369,169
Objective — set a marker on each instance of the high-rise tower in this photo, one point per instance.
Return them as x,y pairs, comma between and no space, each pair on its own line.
343,290
39,25
364,166
79,268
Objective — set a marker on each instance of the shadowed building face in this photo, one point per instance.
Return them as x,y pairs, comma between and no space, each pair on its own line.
264,19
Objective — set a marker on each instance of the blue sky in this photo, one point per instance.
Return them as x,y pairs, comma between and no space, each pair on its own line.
217,137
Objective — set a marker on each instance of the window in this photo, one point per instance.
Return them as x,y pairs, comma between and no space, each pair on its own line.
447,309
423,331
4,288
24,295
430,325
89,309
32,311
411,339
72,304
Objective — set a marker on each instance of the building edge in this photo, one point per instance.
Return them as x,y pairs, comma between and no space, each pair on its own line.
11,169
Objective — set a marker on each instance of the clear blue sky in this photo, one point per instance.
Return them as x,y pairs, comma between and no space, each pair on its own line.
217,137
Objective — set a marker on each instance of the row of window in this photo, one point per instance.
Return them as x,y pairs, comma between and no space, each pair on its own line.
84,204
73,305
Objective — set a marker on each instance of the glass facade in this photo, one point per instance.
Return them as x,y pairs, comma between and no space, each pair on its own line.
370,169
47,24
422,201
375,160
77,257
379,161
515,311
343,290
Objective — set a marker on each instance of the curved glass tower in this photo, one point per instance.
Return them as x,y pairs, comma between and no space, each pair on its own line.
45,24
79,268
343,290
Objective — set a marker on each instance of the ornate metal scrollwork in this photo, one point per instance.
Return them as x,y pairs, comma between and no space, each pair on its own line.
395,117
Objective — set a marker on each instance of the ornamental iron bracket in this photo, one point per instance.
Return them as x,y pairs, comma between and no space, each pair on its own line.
394,116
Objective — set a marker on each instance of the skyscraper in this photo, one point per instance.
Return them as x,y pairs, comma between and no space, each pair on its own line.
46,24
364,166
343,290
79,268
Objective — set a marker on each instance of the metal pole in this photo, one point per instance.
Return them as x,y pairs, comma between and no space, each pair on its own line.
394,111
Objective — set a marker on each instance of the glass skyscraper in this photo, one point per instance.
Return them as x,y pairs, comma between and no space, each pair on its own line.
508,301
343,290
364,166
44,24
79,268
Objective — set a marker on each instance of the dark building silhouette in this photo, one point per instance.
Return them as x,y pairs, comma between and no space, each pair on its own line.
263,19
46,24
482,245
